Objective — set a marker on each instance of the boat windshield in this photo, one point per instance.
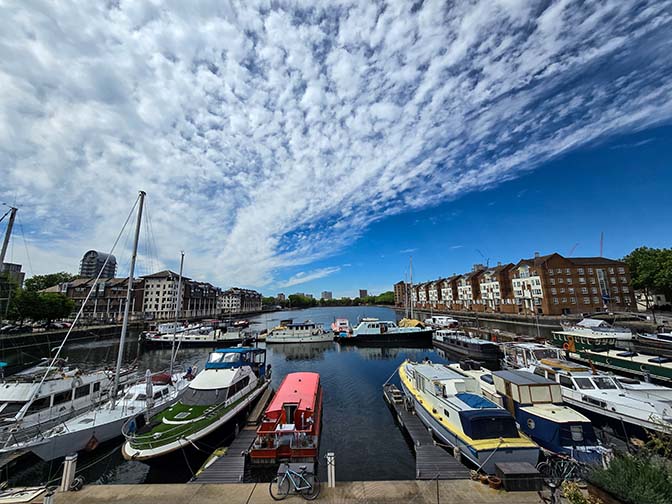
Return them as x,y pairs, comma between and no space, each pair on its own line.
223,357
584,383
546,353
11,408
604,383
195,397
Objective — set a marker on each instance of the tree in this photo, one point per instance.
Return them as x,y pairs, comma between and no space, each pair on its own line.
40,306
651,271
41,282
299,301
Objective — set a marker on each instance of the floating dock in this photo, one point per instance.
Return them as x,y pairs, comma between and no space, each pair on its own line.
230,467
431,461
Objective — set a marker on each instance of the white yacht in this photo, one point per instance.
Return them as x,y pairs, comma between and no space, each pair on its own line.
450,404
103,423
442,322
299,332
374,331
199,336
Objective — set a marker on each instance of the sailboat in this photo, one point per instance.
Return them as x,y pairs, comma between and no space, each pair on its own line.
103,423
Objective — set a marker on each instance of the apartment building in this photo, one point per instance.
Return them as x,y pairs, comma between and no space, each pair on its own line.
449,294
496,291
434,293
237,300
469,290
400,291
161,296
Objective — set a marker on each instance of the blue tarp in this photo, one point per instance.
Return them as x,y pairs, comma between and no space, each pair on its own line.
475,401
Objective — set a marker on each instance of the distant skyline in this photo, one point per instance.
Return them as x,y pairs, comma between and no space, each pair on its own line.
288,149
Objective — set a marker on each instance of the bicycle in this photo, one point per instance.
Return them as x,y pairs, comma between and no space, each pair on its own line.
298,482
558,468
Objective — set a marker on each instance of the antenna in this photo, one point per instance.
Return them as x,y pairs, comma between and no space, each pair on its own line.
602,244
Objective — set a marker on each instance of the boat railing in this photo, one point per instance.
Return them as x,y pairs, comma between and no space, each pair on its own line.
149,440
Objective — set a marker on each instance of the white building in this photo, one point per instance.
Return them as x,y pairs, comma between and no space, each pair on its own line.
160,295
236,300
655,300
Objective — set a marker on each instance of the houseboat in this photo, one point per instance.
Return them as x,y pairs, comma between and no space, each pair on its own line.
199,336
647,366
299,332
442,322
537,405
591,334
371,331
461,343
232,380
290,428
450,404
610,399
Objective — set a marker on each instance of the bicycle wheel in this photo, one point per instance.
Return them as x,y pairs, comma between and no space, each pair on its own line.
544,469
279,488
314,491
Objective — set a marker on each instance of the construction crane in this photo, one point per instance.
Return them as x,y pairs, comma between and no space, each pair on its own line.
571,251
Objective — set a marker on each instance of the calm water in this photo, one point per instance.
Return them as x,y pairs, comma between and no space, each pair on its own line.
357,423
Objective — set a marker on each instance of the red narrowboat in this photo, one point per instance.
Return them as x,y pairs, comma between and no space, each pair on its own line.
290,427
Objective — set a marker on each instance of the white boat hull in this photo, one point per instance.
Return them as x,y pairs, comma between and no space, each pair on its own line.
312,338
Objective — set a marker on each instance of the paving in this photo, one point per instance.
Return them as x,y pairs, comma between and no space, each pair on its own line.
374,492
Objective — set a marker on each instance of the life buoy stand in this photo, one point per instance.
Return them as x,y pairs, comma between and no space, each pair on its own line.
92,444
565,346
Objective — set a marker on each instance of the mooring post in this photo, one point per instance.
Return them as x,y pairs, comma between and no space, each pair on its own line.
457,454
69,467
49,496
331,470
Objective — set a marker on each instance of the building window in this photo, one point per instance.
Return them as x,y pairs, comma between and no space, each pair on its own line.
582,280
562,291
560,280
558,271
564,300
621,271
568,271
554,291
580,270
613,280
555,300
569,281
625,290
618,299
596,300
615,290
611,271
590,271
624,280
573,300
551,281
570,290
550,272
586,300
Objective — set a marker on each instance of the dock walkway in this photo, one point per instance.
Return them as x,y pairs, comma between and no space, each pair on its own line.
230,467
431,461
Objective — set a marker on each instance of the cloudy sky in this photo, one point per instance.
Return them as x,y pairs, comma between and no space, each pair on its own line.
283,144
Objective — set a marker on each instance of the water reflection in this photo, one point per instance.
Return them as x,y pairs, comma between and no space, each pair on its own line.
302,351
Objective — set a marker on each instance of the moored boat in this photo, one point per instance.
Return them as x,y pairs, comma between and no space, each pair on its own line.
290,427
299,332
459,342
659,343
450,404
591,334
341,327
442,322
232,380
199,336
371,331
538,408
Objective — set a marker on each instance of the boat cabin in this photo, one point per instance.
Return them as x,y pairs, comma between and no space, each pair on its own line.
290,427
229,358
526,355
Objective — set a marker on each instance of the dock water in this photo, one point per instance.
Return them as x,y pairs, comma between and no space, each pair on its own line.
230,467
431,461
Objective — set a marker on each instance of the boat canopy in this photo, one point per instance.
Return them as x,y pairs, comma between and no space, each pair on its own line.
590,322
475,401
489,423
298,389
224,358
411,323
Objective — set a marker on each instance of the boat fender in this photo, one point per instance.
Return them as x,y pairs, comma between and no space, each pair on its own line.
92,444
565,346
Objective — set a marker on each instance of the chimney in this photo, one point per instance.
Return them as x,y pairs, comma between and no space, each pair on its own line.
536,255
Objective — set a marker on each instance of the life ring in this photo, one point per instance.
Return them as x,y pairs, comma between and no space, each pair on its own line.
565,346
92,444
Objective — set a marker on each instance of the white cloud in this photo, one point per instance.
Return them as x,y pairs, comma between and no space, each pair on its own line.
302,277
263,133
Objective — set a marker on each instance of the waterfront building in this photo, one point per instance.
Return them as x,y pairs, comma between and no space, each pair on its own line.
281,297
434,293
468,289
108,298
495,287
161,295
237,300
326,295
449,294
14,272
93,262
363,293
400,291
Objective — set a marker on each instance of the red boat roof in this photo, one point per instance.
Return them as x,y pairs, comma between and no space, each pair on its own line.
296,388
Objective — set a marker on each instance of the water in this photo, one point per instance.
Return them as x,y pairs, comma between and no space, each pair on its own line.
357,423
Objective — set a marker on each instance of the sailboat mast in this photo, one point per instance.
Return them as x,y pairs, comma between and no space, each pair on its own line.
411,275
8,233
129,294
178,306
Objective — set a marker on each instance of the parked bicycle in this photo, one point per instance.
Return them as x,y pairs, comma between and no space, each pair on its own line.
304,483
559,468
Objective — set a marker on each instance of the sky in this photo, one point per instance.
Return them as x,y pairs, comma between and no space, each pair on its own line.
309,146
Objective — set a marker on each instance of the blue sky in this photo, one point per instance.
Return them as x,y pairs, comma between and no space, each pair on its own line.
289,145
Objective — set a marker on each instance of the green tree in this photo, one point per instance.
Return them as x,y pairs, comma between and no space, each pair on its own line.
651,270
36,306
41,282
298,301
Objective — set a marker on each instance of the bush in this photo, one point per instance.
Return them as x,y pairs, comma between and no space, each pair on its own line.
644,478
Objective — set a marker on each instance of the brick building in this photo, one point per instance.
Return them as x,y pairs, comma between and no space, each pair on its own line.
400,290
496,291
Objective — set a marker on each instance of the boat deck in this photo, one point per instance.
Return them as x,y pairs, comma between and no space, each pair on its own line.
431,461
230,467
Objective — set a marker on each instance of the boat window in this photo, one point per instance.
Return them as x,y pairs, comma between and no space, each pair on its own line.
62,397
604,383
158,394
584,383
195,397
141,397
129,396
487,378
238,386
540,371
566,381
82,391
96,387
39,404
489,426
10,408
290,411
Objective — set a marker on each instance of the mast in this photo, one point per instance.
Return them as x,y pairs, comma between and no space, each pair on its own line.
8,234
411,275
129,293
178,306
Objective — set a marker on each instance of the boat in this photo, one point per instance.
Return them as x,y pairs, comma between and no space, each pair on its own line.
231,382
299,332
199,336
539,410
459,342
290,428
659,343
450,404
647,366
381,332
341,327
442,322
591,334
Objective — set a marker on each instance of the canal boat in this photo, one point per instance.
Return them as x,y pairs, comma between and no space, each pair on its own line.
591,334
299,332
450,404
199,336
290,428
371,331
232,380
103,423
539,410
461,343
527,355
610,399
442,322
647,366
659,343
